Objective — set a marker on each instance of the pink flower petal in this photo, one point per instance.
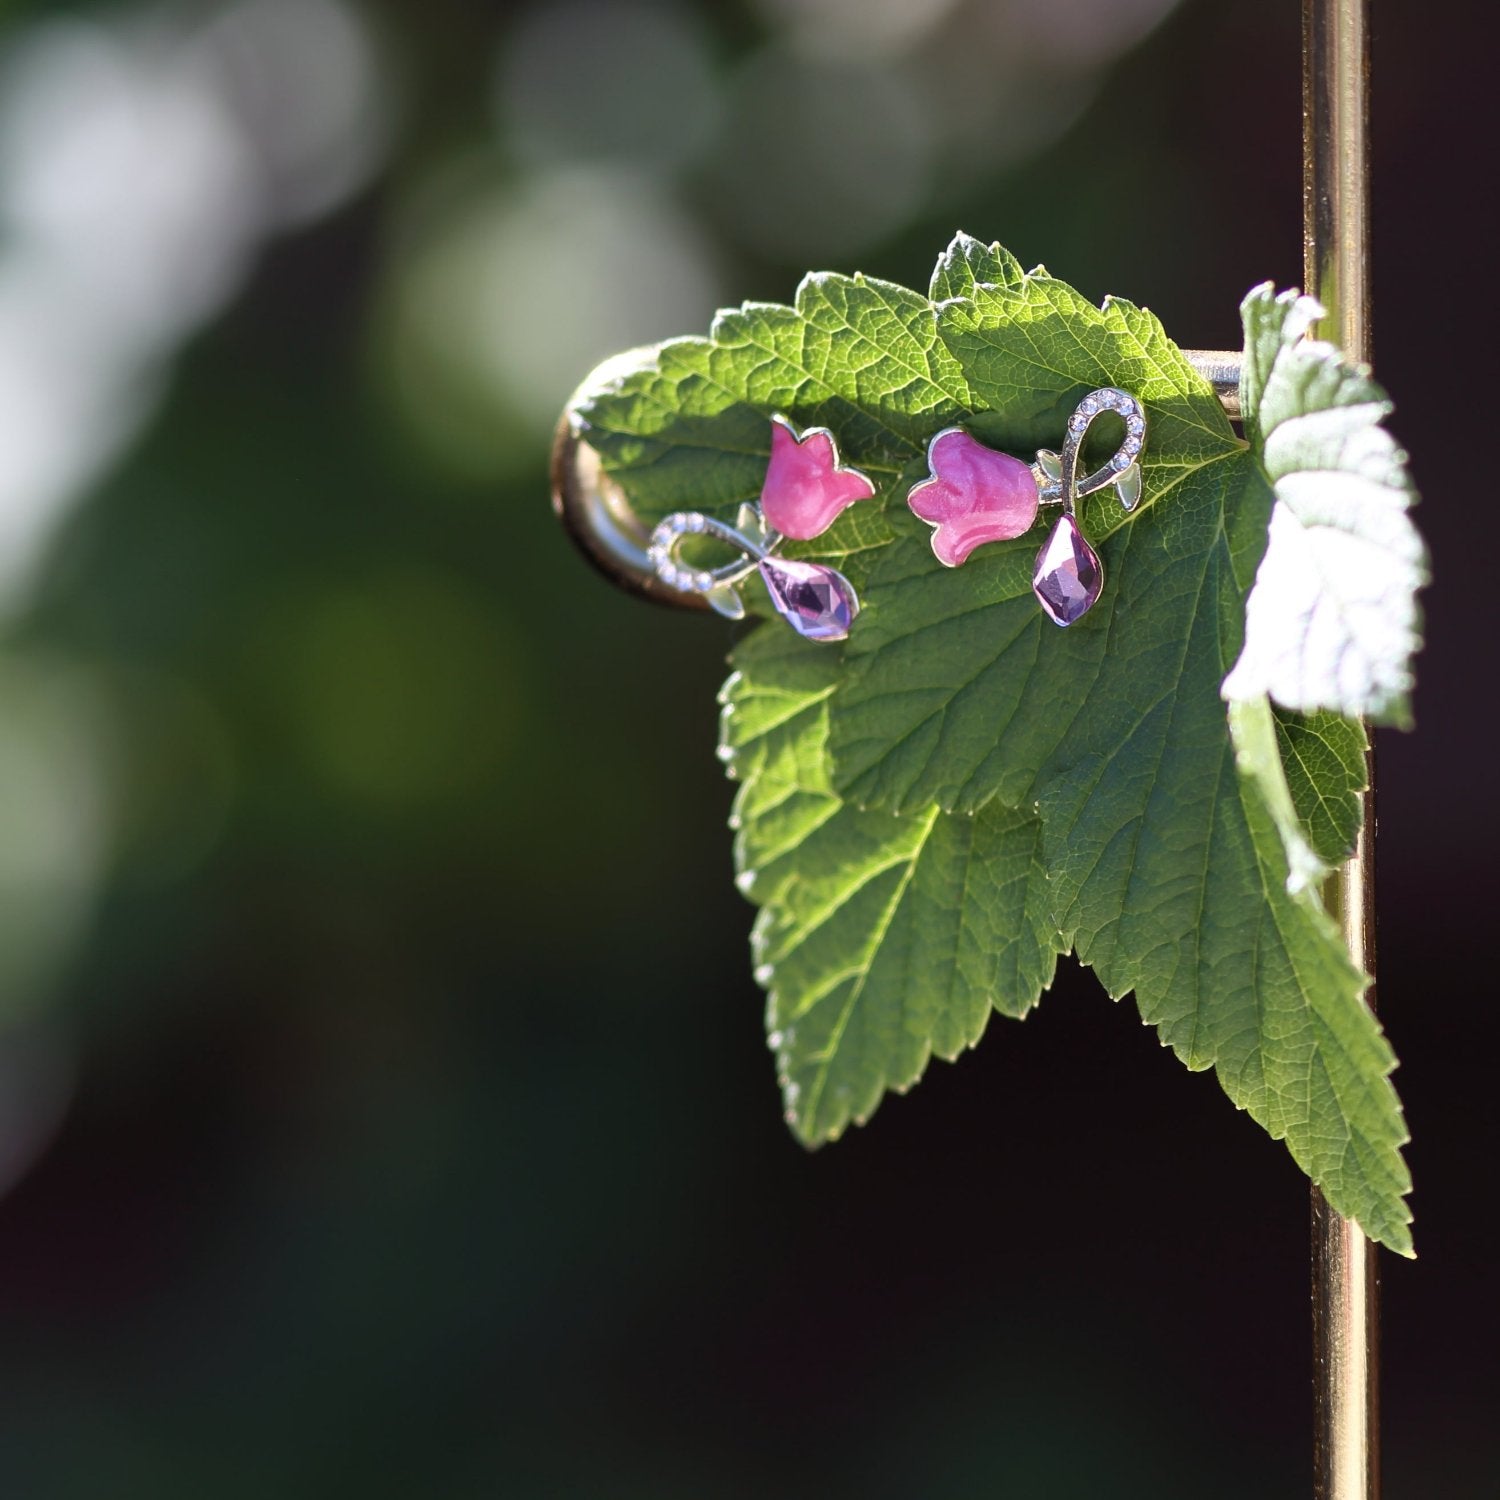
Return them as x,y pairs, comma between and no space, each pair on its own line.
975,495
805,488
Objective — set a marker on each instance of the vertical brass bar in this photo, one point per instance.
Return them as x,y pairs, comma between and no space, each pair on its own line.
1336,270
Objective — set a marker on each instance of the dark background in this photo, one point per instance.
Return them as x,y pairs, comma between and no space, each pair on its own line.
383,1097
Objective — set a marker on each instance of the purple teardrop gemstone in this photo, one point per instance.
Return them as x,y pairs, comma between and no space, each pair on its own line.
1068,574
814,600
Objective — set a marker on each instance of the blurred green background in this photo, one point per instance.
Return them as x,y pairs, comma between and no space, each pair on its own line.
384,1109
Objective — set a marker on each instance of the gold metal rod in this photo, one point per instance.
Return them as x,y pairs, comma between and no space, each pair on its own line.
1336,270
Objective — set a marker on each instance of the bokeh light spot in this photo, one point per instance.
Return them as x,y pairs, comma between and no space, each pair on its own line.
173,776
841,29
52,733
618,81
510,291
404,688
821,160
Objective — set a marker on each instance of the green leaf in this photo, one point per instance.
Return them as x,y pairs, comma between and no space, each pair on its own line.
1253,730
1236,972
968,263
859,356
1332,622
881,940
952,687
1170,875
887,821
1323,759
1311,772
1311,775
1031,349
954,693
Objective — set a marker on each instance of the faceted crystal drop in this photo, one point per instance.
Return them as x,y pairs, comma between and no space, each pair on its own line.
814,600
1068,574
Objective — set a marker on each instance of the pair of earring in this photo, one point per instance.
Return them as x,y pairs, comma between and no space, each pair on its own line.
972,495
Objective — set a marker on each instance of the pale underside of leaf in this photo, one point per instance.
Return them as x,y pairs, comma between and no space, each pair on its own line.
1332,622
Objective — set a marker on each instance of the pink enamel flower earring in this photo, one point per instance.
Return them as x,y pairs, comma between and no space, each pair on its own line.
976,495
805,490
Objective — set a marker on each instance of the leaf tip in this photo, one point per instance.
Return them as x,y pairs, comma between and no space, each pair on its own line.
1397,1237
1264,291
